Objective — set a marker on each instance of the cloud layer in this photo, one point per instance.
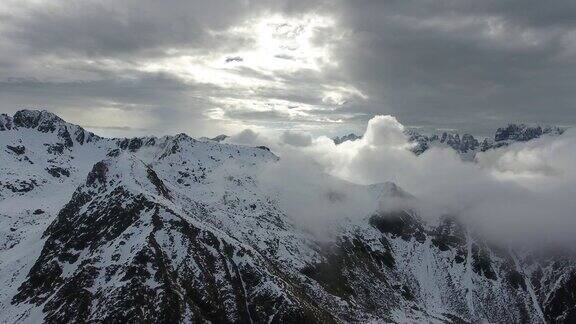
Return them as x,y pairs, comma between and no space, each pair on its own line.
521,193
318,66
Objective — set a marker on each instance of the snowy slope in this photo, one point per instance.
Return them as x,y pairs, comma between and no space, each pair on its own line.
174,229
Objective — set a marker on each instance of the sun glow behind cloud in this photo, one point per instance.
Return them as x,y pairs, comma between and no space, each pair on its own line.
277,44
276,52
286,43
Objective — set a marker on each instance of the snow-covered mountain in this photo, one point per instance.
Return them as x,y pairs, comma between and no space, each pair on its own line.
173,229
467,145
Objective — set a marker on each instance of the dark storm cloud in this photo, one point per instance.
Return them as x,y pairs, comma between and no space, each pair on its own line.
71,56
106,28
470,65
464,64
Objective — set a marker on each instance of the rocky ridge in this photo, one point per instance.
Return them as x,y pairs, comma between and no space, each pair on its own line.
466,145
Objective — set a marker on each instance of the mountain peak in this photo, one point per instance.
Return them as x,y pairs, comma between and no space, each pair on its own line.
350,137
47,122
466,145
523,132
42,119
389,189
220,138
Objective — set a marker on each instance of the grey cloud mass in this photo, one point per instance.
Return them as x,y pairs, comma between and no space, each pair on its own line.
211,67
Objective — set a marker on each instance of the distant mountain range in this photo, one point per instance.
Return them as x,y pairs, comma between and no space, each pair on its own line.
344,138
177,230
467,145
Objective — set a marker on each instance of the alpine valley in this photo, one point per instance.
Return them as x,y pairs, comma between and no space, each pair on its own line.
179,230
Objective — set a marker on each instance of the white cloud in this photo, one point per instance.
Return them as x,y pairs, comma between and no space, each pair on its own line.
245,137
517,193
385,131
296,138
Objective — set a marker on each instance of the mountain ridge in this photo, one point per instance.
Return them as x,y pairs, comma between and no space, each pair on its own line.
466,145
174,229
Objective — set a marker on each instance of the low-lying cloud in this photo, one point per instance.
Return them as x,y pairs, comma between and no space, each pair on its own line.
516,193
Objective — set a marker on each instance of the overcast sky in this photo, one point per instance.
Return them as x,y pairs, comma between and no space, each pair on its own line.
220,66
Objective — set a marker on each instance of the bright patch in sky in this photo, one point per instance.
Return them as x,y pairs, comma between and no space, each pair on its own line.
277,52
285,44
277,44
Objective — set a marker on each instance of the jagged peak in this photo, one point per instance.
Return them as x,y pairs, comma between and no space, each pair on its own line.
220,138
44,119
389,189
135,143
98,174
183,137
47,122
521,132
524,132
467,145
349,137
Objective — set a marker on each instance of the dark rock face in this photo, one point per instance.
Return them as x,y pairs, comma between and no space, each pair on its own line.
399,224
481,263
135,144
160,186
341,139
57,148
114,153
132,144
486,145
27,118
468,143
17,149
5,122
524,133
98,174
517,133
47,122
462,145
44,121
450,235
220,138
20,186
57,172
263,148
560,306
70,233
64,134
